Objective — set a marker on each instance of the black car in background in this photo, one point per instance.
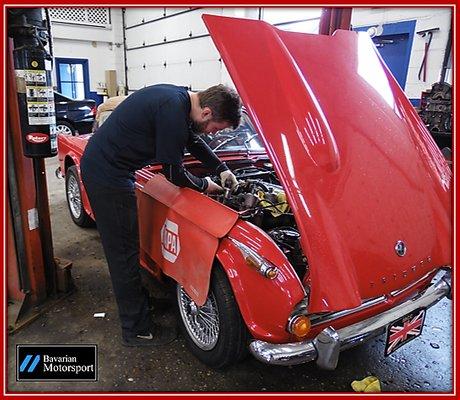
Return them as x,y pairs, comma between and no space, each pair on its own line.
74,116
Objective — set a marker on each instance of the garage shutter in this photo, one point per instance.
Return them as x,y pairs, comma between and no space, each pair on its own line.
170,45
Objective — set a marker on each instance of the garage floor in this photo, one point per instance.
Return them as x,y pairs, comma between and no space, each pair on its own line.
424,365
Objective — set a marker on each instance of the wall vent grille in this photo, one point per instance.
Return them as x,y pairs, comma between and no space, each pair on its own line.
94,16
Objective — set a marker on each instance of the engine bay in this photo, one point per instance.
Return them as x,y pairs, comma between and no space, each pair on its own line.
260,199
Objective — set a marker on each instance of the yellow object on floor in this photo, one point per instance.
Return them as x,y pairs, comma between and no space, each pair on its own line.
371,384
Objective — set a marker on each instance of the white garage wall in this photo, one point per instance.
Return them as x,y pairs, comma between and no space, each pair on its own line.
426,18
101,46
157,53
145,65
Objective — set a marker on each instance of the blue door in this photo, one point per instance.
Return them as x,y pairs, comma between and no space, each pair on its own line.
393,48
73,78
395,45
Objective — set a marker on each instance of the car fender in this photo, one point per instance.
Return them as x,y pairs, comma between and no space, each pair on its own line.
265,304
69,160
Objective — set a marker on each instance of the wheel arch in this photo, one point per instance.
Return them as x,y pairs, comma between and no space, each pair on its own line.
265,304
69,161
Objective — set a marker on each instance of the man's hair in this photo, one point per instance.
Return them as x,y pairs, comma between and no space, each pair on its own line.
224,103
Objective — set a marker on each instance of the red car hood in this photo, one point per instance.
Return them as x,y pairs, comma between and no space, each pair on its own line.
360,170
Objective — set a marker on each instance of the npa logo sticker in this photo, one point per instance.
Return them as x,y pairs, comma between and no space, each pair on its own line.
37,138
170,243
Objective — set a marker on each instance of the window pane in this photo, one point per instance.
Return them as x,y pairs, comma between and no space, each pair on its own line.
64,70
277,15
77,72
66,89
304,27
79,91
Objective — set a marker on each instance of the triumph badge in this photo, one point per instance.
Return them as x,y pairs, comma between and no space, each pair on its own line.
400,248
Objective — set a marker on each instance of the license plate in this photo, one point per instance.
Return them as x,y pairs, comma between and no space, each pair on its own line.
404,329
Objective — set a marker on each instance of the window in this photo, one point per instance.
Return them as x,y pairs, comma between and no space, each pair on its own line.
72,76
304,20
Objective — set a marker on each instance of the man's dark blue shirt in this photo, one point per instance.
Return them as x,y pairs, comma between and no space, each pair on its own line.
151,125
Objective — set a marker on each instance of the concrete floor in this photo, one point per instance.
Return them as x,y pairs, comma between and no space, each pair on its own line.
424,365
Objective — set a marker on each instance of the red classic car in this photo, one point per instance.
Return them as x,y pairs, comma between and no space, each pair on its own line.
340,227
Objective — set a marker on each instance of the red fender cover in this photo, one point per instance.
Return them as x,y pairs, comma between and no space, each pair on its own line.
360,169
180,230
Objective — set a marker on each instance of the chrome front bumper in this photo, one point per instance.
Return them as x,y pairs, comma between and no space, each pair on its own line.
326,346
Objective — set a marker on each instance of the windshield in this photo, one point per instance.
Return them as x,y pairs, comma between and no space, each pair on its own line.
242,138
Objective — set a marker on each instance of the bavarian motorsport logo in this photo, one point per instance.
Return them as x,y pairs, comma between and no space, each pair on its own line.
56,362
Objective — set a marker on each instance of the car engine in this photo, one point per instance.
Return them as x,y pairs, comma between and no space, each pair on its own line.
260,199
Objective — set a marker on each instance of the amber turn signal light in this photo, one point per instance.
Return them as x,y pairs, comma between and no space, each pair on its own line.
257,262
263,268
300,325
271,273
252,262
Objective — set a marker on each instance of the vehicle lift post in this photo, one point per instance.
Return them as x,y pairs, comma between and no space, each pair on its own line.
333,18
35,278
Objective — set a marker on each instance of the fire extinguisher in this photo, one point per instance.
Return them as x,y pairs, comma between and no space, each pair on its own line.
33,66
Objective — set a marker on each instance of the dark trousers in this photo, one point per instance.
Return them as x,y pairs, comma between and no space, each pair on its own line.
115,211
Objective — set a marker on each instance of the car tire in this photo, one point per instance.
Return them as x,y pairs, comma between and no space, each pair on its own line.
74,199
65,128
222,341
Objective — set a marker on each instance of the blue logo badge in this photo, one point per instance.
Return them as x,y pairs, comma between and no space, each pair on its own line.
26,362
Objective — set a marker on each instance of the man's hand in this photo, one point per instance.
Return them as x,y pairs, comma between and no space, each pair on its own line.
213,188
228,180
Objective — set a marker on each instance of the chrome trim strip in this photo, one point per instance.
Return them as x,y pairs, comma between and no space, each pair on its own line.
395,293
321,319
329,342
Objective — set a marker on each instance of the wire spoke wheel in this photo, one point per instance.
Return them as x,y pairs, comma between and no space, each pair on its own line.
74,196
215,333
201,323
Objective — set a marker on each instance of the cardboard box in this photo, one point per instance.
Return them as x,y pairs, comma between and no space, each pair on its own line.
111,82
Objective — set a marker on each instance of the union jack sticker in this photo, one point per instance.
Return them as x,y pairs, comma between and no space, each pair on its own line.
404,330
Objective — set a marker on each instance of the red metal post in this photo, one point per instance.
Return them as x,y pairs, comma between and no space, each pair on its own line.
334,18
25,184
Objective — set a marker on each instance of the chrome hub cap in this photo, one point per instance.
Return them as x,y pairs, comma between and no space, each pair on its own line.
201,323
74,196
194,310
